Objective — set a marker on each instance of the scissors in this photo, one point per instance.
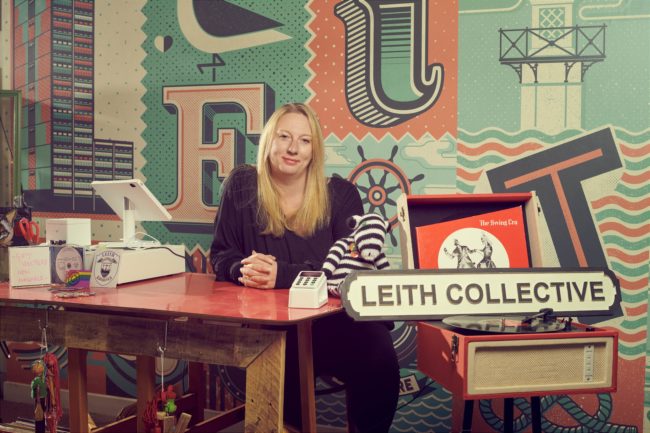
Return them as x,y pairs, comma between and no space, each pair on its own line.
30,230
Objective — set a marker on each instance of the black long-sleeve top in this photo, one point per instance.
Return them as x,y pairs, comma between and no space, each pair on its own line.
237,233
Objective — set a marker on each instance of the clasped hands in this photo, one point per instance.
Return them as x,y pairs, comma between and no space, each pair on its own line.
259,271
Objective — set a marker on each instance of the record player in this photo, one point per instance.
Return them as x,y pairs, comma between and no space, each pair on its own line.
508,356
504,342
500,352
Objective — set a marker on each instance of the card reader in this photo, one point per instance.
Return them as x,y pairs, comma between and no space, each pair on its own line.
309,290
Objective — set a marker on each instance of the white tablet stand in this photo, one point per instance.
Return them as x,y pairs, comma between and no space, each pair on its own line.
132,201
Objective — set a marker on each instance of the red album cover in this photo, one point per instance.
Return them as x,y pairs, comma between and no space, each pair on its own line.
489,240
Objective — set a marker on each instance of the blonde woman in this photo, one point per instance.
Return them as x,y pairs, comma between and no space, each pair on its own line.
281,217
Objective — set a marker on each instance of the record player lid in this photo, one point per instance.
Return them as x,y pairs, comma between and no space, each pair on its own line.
504,324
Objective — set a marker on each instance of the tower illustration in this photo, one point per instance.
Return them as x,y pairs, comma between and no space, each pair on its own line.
551,59
54,68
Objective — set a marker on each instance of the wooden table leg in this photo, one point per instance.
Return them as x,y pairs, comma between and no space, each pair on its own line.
265,389
197,387
306,370
145,384
78,396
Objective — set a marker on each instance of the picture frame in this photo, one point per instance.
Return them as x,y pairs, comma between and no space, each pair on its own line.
416,212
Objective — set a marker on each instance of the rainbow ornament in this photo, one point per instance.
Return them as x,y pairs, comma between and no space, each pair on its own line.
78,279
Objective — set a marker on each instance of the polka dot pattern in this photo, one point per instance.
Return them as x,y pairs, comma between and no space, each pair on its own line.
281,65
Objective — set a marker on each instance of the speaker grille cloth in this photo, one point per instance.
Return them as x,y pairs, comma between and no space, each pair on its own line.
499,367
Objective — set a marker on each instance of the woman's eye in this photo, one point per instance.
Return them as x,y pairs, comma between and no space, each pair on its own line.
306,141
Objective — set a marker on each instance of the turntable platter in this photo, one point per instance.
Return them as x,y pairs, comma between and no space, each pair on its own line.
504,324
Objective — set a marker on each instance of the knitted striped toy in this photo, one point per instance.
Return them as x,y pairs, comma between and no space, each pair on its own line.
362,249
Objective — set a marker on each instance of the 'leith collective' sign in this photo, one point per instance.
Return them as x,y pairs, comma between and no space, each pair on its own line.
437,293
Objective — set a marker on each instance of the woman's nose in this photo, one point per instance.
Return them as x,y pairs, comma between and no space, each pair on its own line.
293,148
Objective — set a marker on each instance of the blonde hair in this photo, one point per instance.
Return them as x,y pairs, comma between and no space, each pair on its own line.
315,209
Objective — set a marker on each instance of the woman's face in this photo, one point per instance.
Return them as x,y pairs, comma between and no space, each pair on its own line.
291,147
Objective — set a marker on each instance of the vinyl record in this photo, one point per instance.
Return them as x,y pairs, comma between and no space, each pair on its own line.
67,259
504,324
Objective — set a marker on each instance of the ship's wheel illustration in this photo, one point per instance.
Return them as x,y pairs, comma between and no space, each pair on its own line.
381,194
404,340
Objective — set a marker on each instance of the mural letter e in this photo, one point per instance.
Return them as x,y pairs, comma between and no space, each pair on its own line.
193,152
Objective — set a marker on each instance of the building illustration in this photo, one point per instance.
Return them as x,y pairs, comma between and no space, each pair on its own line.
54,60
551,58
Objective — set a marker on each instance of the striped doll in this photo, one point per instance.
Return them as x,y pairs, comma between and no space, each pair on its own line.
362,249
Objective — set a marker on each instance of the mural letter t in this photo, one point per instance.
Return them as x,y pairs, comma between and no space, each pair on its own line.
556,174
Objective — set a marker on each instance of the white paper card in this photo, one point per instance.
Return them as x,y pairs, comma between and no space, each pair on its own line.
29,266
105,266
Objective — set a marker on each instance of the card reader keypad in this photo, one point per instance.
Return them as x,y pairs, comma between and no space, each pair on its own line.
309,279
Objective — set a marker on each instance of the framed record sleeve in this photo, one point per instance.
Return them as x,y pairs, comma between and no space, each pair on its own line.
466,231
489,240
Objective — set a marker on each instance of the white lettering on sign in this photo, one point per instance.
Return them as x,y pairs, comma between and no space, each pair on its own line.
432,294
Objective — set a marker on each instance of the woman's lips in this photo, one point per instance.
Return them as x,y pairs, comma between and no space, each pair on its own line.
290,161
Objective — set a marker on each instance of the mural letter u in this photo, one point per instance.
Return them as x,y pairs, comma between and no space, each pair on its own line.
387,78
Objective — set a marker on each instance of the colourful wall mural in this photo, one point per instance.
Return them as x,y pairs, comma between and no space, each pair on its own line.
415,96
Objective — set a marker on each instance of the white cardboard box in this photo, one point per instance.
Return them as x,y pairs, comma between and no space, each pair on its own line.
73,231
111,266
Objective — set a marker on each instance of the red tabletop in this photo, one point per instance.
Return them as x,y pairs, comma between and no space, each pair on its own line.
192,295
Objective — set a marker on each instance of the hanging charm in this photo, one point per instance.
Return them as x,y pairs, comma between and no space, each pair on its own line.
167,395
53,408
169,398
45,387
150,416
39,386
39,393
161,400
354,252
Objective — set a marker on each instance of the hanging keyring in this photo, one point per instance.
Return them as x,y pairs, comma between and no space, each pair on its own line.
43,344
161,350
